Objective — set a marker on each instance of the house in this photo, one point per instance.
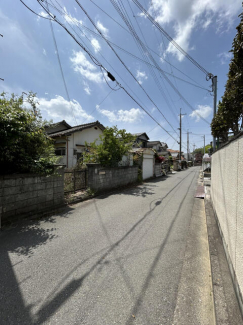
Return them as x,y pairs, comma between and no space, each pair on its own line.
70,141
141,140
160,147
175,154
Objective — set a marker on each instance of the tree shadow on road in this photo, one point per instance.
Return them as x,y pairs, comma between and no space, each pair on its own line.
20,238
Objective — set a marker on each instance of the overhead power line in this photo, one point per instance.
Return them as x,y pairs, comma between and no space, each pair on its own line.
129,71
133,55
147,47
34,11
60,66
99,64
156,24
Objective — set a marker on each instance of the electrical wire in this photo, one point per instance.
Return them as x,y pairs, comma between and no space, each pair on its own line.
172,41
34,11
60,66
166,78
148,47
129,71
55,19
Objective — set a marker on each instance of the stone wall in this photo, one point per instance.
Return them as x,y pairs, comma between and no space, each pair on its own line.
100,178
227,198
30,195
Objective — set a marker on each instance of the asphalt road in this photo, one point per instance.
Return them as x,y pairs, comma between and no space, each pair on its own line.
115,259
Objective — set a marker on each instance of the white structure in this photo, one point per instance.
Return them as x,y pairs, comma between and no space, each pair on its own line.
148,161
227,198
70,141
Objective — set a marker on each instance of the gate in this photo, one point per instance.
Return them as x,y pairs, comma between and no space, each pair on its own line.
75,180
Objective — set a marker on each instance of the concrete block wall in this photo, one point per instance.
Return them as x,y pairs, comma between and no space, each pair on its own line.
227,198
30,195
100,178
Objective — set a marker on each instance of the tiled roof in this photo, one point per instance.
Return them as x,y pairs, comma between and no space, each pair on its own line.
170,150
139,134
63,122
77,128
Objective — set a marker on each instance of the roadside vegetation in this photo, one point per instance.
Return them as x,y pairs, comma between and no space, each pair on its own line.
230,109
24,146
114,144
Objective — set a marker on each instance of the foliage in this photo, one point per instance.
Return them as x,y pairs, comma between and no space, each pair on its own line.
170,161
24,145
140,175
230,110
113,145
201,150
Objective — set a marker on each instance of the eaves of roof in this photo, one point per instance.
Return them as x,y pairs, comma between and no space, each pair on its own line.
76,129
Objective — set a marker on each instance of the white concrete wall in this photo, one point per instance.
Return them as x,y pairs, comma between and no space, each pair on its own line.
148,163
227,197
88,135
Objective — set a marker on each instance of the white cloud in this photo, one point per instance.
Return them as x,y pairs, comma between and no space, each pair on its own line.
85,68
43,14
188,14
203,110
224,57
129,116
102,28
71,20
87,88
96,45
60,108
44,51
141,76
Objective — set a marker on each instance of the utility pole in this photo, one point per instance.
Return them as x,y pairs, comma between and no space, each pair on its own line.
193,152
2,80
188,145
214,88
204,143
180,132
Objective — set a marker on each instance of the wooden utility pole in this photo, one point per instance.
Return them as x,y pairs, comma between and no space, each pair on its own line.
188,145
180,133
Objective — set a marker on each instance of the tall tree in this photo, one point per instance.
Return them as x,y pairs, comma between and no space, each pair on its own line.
230,110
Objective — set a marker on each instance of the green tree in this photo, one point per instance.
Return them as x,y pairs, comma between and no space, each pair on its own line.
201,150
24,145
230,111
114,144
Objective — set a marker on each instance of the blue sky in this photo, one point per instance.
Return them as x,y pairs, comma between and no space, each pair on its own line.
205,29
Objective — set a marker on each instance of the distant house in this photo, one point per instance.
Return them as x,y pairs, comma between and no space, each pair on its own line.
70,141
198,158
141,140
160,147
175,153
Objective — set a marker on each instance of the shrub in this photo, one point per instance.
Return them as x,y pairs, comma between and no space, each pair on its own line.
24,145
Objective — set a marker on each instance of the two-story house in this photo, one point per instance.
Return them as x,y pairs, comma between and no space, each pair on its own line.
70,141
141,140
160,147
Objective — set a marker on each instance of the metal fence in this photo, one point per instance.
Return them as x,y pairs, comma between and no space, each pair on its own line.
75,180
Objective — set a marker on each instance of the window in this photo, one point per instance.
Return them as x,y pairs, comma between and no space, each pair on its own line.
74,152
60,151
80,157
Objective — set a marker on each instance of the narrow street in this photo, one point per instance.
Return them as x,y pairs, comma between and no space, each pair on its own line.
115,259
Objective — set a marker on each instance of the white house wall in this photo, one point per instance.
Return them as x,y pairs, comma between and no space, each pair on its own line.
80,137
